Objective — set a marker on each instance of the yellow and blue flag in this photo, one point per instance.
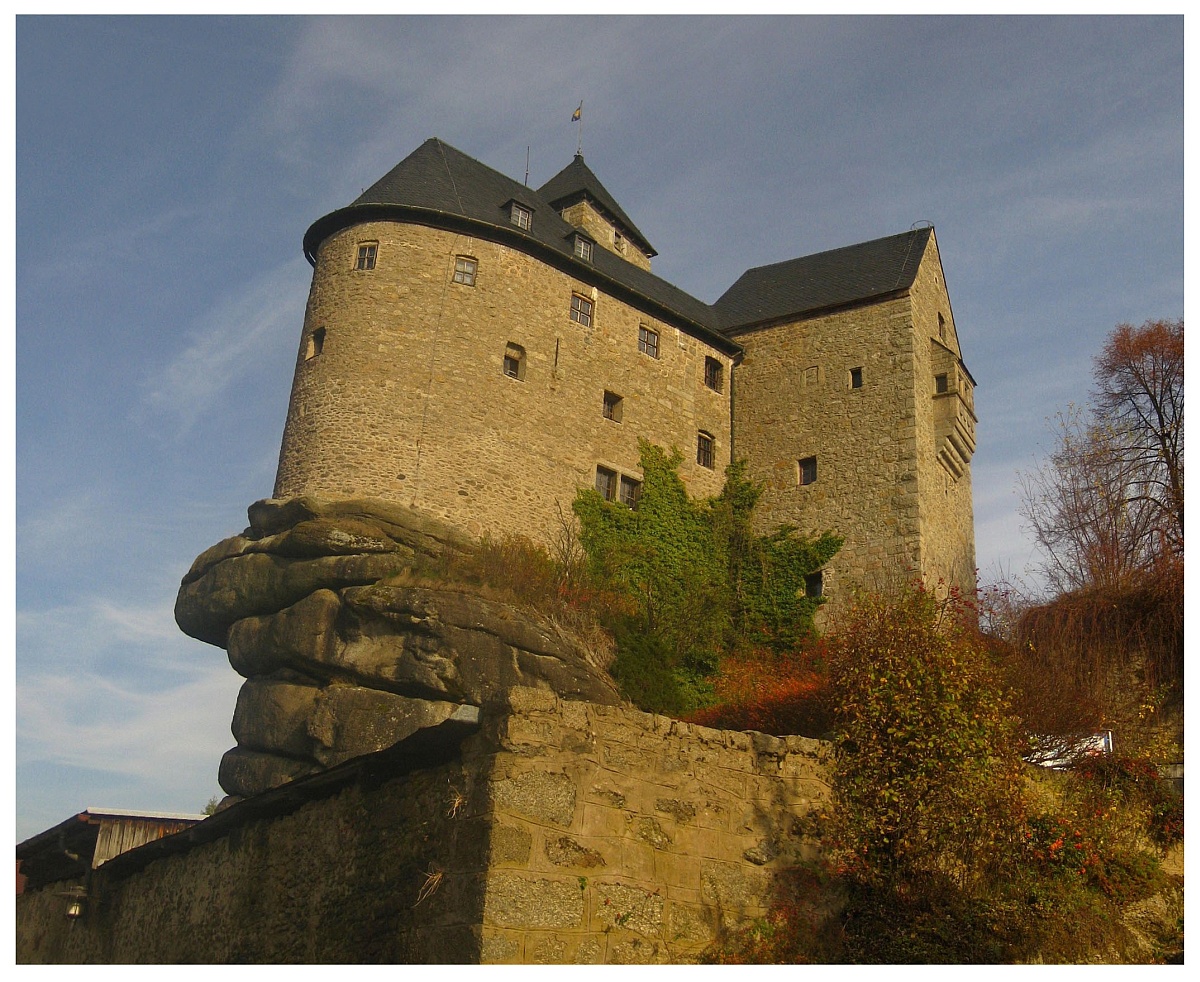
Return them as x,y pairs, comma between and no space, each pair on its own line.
577,114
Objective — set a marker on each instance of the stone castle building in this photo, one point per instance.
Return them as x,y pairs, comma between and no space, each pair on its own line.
480,350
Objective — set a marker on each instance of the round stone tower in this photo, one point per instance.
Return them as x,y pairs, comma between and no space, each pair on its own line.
469,352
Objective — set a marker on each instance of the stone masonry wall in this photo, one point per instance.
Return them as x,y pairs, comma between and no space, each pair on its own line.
567,832
408,400
880,480
947,515
794,399
622,837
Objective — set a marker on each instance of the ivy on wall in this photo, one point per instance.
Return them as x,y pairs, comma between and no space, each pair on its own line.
695,578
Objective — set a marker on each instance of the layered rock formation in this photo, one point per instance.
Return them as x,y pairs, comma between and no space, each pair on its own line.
352,635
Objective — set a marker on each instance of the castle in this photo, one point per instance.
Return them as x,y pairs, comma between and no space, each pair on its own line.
480,351
425,772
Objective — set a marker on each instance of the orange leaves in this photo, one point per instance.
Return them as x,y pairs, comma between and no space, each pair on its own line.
759,690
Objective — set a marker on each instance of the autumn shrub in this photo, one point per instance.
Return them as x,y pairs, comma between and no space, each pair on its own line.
761,689
927,772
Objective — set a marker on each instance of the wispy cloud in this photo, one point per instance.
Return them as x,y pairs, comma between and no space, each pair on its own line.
226,344
87,720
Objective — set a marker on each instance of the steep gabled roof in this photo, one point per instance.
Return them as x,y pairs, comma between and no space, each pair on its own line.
576,182
440,186
868,270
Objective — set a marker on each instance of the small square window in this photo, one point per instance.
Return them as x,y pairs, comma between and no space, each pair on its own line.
514,361
581,310
367,252
856,378
606,483
941,384
713,374
612,406
631,491
464,270
583,248
807,469
814,584
522,217
647,342
705,450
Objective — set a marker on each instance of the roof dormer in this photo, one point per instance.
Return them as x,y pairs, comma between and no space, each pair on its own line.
582,245
579,197
520,214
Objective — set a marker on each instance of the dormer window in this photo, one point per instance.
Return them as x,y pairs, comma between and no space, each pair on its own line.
583,248
521,216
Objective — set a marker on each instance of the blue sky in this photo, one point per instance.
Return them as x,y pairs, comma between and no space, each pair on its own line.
166,170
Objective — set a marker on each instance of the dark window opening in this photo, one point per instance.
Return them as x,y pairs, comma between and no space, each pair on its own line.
808,471
606,483
941,384
316,343
713,374
631,491
814,584
705,450
612,406
514,361
856,378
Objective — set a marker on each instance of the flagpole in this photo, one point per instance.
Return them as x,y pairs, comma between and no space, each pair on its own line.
579,145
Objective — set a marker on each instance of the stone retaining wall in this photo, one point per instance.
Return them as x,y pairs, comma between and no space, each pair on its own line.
565,832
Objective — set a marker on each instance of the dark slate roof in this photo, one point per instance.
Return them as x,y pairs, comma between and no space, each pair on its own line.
575,182
869,270
443,187
440,186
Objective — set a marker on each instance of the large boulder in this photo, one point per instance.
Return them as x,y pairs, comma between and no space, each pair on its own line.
352,635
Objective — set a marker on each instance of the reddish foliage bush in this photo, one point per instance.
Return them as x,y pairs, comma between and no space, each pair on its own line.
772,693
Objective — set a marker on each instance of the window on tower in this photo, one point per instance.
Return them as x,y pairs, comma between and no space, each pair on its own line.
367,253
464,270
648,342
514,361
581,310
713,374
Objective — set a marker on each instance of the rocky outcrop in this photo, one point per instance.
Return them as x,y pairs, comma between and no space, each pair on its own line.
351,635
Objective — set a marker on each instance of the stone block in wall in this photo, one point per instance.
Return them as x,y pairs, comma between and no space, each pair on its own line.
537,795
735,891
516,900
629,907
